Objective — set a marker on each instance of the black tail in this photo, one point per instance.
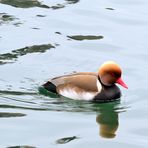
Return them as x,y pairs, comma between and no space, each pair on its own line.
50,87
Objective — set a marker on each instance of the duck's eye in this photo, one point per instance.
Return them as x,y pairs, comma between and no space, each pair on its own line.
116,75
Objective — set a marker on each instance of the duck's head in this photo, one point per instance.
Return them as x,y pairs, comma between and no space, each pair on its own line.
110,73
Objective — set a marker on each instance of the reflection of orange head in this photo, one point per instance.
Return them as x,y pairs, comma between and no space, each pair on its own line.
108,131
108,124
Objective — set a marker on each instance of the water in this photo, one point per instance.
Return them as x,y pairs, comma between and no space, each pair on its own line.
43,39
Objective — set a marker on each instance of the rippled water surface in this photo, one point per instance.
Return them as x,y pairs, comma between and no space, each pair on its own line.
43,39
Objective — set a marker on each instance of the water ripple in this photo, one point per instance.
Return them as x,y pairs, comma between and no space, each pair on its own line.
51,102
6,57
36,3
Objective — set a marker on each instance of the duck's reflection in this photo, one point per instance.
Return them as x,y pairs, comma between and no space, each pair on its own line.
108,120
107,113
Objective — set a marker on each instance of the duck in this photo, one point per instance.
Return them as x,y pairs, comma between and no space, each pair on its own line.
97,86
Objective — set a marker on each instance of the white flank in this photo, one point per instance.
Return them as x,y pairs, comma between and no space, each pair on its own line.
69,93
99,86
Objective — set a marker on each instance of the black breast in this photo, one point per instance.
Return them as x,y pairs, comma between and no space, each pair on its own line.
107,94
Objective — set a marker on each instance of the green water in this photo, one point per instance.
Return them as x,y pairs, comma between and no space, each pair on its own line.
44,39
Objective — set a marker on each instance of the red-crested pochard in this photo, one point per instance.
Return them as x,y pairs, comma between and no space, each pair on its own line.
91,86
